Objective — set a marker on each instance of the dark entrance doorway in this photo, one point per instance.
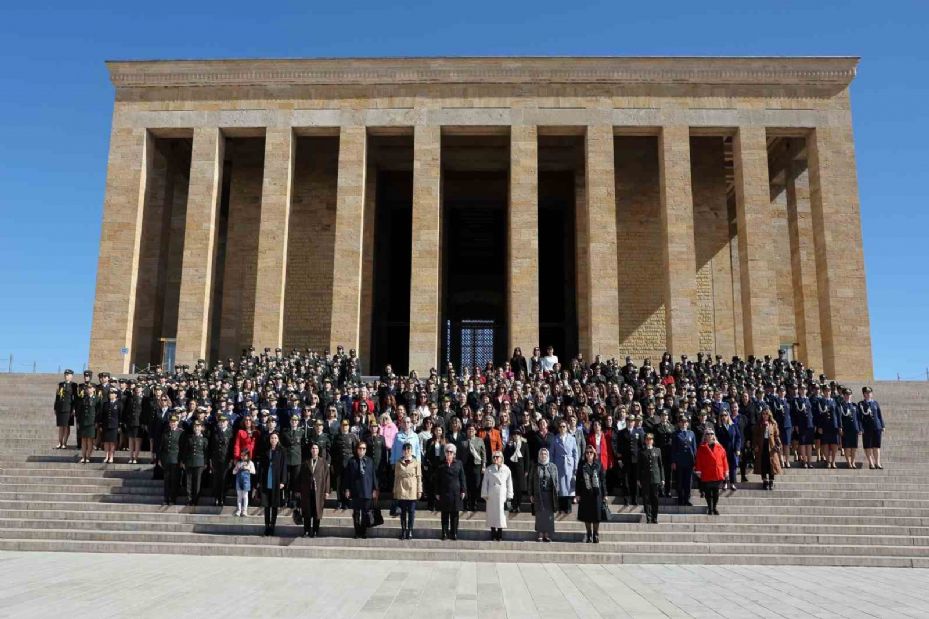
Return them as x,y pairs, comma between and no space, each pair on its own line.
557,288
474,273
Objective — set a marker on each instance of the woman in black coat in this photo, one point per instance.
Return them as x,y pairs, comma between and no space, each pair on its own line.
590,488
516,457
110,412
449,483
272,477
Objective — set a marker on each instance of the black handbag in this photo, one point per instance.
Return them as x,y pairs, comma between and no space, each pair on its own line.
375,517
605,512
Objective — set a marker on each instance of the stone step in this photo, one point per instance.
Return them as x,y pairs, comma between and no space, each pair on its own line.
451,551
430,520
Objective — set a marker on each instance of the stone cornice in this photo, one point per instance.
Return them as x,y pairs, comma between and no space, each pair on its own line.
503,70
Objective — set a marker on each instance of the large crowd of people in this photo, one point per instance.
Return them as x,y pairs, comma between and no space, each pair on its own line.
287,429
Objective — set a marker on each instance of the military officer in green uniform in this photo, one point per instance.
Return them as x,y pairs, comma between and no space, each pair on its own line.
220,450
293,438
88,406
194,449
651,477
320,437
169,456
65,403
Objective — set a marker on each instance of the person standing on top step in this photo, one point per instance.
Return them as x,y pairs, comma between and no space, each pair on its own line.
591,494
651,478
408,488
683,454
496,490
131,420
361,488
850,417
827,426
449,486
88,408
712,469
730,438
65,405
169,458
767,446
220,451
273,476
802,415
313,484
110,412
872,423
194,447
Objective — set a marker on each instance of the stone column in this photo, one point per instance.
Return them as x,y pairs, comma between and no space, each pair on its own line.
603,279
120,239
349,234
523,243
803,265
425,264
754,214
843,300
677,223
273,238
203,195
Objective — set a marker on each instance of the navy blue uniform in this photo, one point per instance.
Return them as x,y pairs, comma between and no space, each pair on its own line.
802,415
850,418
731,439
827,421
683,454
872,423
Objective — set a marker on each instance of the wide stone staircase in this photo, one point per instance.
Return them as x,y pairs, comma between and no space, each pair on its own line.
49,502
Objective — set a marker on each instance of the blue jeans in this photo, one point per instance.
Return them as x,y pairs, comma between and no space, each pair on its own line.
407,514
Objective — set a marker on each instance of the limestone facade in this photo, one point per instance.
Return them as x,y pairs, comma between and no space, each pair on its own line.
715,204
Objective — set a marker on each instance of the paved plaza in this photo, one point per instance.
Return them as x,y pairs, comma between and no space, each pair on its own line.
115,585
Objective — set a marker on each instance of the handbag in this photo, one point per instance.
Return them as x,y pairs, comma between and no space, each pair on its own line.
374,517
605,512
298,515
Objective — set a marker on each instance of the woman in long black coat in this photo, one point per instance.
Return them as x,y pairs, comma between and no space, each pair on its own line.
516,457
272,477
110,412
590,488
449,484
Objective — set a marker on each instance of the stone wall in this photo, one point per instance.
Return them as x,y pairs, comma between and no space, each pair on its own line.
642,331
308,296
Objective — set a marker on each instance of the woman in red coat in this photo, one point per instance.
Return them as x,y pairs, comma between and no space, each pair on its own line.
600,441
244,439
712,468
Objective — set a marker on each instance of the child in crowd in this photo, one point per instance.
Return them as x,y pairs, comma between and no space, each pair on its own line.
244,469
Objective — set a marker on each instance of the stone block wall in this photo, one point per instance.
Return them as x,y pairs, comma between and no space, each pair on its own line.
308,296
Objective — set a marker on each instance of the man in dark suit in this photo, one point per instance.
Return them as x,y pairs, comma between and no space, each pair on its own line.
360,488
651,477
629,444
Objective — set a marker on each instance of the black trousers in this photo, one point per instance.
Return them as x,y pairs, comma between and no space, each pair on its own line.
666,463
310,524
450,522
293,471
748,457
172,474
650,501
360,516
711,493
194,475
473,477
683,479
632,480
219,479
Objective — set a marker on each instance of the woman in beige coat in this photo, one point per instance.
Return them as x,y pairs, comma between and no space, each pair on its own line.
766,439
408,488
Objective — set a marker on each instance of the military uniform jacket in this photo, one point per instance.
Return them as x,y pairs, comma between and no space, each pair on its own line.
651,469
683,448
629,444
871,417
801,413
65,397
194,450
171,446
850,417
110,413
780,409
87,411
132,412
323,440
292,441
220,444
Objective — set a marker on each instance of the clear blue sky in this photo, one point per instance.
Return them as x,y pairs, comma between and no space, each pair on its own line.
56,104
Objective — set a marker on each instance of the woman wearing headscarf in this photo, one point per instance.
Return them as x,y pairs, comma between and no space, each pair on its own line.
496,490
591,493
543,492
516,457
767,445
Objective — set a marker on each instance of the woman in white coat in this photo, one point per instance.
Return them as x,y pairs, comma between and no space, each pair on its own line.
496,489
